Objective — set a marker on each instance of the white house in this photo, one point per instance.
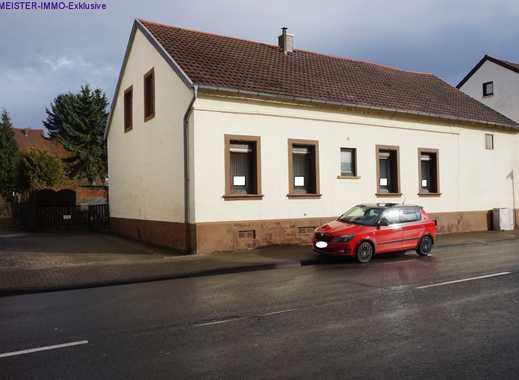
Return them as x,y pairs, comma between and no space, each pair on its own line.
495,83
219,143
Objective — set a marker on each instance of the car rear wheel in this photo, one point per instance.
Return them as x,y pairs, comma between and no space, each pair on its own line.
364,252
425,246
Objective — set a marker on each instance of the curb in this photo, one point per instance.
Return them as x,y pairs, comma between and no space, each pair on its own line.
191,274
136,280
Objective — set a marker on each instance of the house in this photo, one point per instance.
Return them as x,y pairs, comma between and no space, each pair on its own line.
495,83
218,143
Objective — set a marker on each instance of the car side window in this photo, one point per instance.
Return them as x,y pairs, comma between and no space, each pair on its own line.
391,215
410,214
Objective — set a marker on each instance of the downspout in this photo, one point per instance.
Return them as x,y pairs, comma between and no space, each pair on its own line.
188,235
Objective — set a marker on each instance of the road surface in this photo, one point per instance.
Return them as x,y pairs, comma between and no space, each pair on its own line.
452,316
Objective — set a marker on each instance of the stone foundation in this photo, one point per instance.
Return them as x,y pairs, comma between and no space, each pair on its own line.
224,236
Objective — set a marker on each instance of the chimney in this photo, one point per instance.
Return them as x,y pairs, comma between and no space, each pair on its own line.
286,41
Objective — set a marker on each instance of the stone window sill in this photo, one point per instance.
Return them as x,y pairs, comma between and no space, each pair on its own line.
303,196
242,197
429,194
388,195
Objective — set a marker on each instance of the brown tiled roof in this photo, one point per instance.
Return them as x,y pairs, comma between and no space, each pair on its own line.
501,62
210,60
34,139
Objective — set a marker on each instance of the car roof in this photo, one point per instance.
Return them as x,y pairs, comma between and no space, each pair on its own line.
386,205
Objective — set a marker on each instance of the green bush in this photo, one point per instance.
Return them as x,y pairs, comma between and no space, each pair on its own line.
40,170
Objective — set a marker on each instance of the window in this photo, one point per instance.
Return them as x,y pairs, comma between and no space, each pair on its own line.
391,216
128,109
149,95
242,167
410,214
488,88
348,162
303,168
363,215
489,141
428,171
388,177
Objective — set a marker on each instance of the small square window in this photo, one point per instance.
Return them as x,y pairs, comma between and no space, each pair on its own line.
348,162
489,141
488,88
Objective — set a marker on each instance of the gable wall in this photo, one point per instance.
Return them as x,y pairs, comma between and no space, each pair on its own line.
145,165
506,89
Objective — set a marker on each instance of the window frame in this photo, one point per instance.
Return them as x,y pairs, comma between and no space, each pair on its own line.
436,152
128,115
147,76
396,150
292,194
228,193
491,135
485,93
354,175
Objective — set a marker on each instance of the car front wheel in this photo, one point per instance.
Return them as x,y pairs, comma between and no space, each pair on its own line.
364,252
425,246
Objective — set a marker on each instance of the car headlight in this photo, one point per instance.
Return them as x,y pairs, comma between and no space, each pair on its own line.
344,238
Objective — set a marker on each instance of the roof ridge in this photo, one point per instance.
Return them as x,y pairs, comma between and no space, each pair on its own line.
207,33
501,59
301,50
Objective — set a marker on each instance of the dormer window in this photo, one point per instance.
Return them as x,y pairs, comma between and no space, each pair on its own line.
488,88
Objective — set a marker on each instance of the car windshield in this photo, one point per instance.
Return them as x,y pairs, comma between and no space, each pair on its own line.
364,215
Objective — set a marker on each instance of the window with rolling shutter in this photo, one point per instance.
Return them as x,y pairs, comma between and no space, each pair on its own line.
242,167
303,168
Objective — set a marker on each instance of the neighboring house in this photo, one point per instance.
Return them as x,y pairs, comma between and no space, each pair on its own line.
28,139
219,143
494,82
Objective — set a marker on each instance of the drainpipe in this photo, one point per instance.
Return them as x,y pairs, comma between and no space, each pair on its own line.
187,179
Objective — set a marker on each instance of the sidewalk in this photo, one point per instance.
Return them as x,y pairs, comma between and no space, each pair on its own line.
26,270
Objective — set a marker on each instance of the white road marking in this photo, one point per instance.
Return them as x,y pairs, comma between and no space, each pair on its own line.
276,312
45,348
218,322
222,321
463,280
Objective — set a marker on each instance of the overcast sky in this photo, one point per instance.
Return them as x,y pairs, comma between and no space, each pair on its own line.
46,53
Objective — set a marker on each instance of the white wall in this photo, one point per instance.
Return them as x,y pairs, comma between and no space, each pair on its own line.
506,89
471,178
145,165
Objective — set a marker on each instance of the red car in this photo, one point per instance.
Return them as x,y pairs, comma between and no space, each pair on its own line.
366,230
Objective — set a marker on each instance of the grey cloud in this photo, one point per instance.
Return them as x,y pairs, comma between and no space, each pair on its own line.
48,53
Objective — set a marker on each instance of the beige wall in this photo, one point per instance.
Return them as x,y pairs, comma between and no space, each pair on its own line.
146,164
471,178
506,89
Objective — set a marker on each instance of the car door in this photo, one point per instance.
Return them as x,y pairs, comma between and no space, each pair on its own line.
389,238
412,226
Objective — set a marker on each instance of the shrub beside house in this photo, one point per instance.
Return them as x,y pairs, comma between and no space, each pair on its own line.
33,139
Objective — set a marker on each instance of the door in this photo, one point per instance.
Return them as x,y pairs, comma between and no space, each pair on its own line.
389,238
412,227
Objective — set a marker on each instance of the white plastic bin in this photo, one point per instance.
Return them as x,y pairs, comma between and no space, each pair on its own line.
503,219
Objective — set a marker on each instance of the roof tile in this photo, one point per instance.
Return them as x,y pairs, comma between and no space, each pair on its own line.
219,61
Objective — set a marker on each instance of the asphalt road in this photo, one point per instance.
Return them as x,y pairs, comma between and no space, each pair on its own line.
336,320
